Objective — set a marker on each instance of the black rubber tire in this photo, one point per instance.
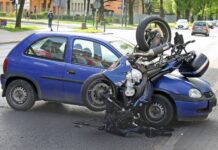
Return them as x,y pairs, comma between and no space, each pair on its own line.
207,35
168,110
30,97
85,95
140,38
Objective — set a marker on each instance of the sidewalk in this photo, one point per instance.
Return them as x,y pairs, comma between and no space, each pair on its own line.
7,37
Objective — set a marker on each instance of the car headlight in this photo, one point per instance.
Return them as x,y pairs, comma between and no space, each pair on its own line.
195,93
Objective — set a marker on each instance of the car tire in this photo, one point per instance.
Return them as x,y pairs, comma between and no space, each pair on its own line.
207,34
140,36
192,34
159,112
90,92
20,95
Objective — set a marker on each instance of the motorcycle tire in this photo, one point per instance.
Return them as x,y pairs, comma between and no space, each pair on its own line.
159,112
140,32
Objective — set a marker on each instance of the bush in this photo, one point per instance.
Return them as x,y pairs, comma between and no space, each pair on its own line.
3,14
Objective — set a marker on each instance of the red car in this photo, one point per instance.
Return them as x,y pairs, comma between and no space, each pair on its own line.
200,27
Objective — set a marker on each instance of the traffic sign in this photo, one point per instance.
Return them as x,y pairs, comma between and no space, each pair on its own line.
97,4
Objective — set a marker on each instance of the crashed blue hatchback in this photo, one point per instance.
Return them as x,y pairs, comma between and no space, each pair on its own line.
54,66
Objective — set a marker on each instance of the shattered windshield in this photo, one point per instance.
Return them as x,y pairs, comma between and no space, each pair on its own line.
124,47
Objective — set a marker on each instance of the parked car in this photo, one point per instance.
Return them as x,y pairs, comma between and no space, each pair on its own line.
54,66
182,24
200,27
210,24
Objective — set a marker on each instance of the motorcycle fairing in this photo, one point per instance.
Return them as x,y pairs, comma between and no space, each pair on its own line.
118,74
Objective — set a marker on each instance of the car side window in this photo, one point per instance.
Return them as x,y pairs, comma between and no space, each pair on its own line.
92,54
49,48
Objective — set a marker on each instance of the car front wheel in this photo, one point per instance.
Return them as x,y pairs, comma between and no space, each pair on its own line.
159,112
20,95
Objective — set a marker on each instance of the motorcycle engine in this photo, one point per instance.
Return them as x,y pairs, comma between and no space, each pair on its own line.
132,77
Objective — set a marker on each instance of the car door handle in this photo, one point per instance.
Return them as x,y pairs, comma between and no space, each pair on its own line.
71,72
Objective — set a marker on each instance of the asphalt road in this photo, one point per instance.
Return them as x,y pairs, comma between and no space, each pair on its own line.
50,126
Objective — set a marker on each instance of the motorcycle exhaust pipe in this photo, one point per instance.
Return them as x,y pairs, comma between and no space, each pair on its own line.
154,51
160,49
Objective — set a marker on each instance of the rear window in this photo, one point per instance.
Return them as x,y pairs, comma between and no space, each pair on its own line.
48,48
199,23
182,21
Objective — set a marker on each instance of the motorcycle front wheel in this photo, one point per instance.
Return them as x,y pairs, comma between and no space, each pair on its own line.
151,32
92,90
159,112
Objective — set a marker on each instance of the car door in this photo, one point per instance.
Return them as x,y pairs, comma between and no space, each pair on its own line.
44,63
88,57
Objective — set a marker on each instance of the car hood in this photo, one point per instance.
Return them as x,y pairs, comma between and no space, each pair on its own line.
178,84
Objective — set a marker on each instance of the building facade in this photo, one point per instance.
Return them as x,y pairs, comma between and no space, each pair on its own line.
6,6
37,6
77,7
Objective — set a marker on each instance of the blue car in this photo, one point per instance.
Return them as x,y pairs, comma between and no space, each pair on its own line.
54,66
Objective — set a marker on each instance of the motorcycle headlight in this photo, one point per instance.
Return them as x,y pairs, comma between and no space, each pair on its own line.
195,93
136,75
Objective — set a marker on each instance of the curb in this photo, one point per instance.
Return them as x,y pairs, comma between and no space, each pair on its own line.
9,42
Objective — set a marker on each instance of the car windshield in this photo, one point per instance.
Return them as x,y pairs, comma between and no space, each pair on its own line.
124,47
200,23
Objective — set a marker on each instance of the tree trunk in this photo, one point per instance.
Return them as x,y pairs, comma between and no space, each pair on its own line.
68,7
19,15
203,9
161,9
101,11
88,4
44,5
131,3
143,7
178,13
49,4
187,10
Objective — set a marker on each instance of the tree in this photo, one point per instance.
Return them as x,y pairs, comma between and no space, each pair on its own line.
19,15
88,4
44,5
130,8
68,7
49,4
161,9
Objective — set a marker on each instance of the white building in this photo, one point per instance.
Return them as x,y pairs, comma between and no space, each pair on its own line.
77,7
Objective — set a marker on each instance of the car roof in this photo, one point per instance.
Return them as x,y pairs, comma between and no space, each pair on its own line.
97,36
182,20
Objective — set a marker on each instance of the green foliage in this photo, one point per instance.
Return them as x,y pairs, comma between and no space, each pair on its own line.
11,28
2,14
202,9
89,30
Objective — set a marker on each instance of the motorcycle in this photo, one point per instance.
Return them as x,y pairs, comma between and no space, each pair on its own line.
129,86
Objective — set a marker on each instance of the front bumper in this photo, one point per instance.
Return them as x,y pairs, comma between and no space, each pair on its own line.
193,109
3,81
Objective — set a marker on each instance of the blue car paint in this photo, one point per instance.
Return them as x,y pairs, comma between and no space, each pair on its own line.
187,109
72,91
175,86
118,76
53,82
181,85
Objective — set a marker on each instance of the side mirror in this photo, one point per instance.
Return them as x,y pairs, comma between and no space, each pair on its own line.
178,39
